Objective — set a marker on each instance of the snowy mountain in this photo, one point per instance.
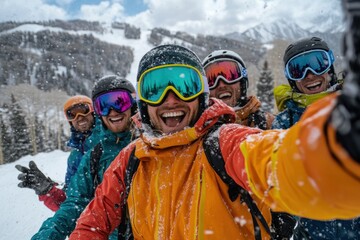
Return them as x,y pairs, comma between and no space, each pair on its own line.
287,30
281,29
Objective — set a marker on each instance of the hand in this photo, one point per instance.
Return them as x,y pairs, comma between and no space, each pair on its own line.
33,178
351,48
346,114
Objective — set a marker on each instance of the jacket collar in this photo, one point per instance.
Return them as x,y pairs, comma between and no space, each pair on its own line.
253,104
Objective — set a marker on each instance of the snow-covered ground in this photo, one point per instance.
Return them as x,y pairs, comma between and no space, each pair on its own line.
21,213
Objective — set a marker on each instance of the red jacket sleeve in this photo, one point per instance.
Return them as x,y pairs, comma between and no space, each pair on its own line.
53,198
104,212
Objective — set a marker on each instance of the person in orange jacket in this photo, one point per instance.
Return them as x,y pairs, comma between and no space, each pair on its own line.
177,194
228,81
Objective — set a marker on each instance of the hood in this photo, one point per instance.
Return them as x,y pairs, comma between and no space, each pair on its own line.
283,93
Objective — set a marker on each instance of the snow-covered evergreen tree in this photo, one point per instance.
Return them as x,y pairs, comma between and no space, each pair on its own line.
39,135
265,88
20,131
7,146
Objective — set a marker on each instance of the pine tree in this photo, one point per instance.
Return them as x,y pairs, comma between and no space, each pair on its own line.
265,88
2,161
40,135
7,146
20,131
51,142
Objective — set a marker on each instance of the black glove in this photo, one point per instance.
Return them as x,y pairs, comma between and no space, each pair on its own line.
33,178
346,115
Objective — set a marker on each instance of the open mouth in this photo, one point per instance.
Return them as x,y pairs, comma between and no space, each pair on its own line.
314,86
224,95
82,123
116,119
172,119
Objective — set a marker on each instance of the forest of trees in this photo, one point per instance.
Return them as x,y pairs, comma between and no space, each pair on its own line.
29,124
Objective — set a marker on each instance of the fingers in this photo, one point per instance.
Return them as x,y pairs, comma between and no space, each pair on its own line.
33,166
23,185
22,168
23,176
28,178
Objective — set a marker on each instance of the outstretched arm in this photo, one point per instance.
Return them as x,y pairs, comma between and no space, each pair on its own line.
313,169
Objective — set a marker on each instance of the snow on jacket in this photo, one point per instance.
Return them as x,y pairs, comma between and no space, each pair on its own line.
337,229
81,189
251,115
289,116
176,194
80,144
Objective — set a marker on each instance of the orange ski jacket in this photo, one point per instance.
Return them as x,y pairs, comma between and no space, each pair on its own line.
176,194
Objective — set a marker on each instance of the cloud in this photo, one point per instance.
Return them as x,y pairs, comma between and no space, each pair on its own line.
103,12
193,16
224,16
37,10
64,2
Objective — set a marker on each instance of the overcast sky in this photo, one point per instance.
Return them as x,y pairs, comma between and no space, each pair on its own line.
192,16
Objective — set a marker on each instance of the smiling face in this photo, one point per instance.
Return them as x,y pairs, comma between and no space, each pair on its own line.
228,93
83,123
173,114
313,84
117,122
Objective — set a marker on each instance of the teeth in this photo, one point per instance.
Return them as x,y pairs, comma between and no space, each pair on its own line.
116,119
314,84
81,123
172,114
222,95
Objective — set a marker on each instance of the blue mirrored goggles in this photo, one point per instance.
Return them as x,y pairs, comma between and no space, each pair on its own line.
316,61
184,80
118,100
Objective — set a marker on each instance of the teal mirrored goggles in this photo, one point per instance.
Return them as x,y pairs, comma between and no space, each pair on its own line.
184,80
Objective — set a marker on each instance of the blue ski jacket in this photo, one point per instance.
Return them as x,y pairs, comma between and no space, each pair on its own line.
82,188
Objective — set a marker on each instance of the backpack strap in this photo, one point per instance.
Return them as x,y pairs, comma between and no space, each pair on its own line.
94,163
213,154
124,229
259,119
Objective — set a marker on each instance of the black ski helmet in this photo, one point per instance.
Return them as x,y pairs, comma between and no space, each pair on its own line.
304,45
111,83
170,54
228,54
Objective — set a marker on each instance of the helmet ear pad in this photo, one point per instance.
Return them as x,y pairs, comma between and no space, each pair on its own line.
144,115
333,76
244,84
